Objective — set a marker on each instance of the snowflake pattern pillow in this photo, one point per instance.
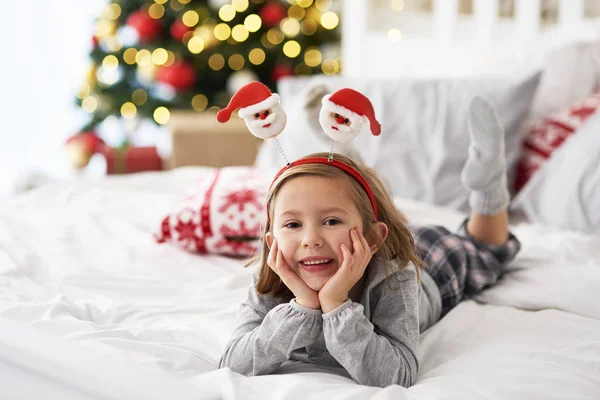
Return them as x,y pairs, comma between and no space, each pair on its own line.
548,134
224,213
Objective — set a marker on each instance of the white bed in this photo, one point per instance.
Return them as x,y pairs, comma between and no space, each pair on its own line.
79,268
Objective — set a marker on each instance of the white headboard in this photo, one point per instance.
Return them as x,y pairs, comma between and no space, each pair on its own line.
380,42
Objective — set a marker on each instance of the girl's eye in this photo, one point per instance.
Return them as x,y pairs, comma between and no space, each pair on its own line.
292,225
332,221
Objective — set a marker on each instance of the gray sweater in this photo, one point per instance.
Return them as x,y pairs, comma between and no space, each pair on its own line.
375,341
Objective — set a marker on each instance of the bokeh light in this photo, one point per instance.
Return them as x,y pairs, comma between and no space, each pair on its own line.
89,104
394,35
275,36
397,5
253,22
227,12
190,18
309,27
110,61
296,12
292,49
129,55
199,102
222,31
113,11
290,27
240,5
323,5
143,57
162,115
313,57
128,110
216,62
236,62
239,33
196,45
156,11
257,56
160,56
139,97
330,67
304,3
330,20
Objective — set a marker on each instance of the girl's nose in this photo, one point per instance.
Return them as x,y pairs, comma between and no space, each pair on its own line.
312,239
340,120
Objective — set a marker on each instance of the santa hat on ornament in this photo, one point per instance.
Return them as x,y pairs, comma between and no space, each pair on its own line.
354,106
250,99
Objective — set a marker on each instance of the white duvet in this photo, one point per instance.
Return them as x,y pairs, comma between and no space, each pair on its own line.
143,320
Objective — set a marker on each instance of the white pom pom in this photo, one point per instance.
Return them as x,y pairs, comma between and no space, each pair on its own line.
239,79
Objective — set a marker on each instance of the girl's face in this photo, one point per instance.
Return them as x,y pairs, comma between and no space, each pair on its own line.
312,217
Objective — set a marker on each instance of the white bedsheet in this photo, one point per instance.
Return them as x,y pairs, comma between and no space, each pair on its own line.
78,261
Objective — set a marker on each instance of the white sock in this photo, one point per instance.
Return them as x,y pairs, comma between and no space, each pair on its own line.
485,170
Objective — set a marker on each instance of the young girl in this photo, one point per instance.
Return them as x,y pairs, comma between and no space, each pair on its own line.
345,285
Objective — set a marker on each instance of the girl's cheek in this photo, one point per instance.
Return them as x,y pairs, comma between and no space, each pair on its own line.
286,249
345,239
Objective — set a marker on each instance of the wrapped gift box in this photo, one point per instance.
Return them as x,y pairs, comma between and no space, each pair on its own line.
132,159
199,139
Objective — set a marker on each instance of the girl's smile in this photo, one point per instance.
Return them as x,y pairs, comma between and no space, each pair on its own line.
316,264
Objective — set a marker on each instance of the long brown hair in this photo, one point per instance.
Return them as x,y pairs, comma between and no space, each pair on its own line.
398,246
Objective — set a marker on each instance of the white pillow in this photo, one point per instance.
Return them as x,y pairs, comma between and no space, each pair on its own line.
571,73
565,191
424,139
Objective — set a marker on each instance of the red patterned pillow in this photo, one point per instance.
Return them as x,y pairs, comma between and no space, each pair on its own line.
548,134
224,213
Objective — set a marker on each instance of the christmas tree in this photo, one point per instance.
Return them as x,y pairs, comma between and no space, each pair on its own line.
153,56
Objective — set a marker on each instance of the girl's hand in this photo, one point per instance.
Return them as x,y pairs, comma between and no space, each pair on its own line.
336,289
305,296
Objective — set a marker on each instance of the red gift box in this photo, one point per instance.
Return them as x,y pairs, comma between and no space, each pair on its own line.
132,159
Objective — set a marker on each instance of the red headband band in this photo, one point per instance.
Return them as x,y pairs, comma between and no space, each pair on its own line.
338,164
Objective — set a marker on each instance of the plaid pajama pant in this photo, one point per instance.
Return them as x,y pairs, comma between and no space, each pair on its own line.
460,265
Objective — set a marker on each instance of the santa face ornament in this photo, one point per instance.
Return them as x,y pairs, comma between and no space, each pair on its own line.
267,123
338,126
343,113
260,109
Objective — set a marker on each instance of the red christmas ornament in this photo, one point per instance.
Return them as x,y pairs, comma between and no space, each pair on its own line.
272,14
94,41
281,71
181,75
89,141
179,29
82,147
147,27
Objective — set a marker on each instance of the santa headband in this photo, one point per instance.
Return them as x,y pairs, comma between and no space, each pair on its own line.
337,164
342,115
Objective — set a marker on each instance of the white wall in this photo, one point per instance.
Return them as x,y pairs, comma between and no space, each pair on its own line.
43,57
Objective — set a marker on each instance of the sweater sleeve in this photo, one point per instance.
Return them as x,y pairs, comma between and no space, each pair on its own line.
267,333
380,352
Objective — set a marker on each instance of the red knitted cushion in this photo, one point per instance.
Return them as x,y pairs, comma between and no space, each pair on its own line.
224,213
549,133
